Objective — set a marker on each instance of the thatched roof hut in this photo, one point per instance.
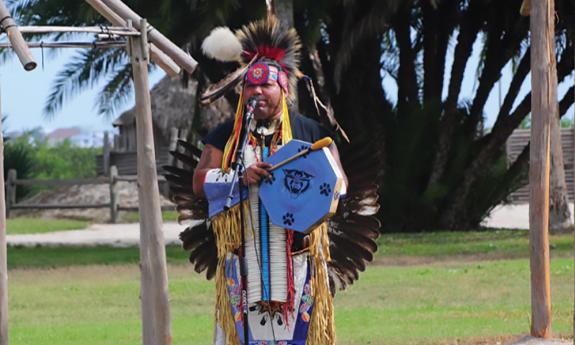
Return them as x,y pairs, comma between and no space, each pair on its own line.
174,106
174,110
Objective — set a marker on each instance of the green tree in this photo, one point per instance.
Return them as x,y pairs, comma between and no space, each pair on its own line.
33,157
64,160
18,155
441,170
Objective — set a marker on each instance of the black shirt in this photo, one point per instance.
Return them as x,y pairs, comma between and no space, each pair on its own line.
303,128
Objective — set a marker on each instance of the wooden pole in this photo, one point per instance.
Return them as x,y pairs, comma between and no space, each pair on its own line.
88,45
184,60
106,153
159,57
10,190
156,327
3,251
105,30
113,194
543,105
15,37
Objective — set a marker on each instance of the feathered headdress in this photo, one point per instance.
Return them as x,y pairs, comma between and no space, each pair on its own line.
260,41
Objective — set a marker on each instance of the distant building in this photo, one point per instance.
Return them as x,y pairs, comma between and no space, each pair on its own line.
76,135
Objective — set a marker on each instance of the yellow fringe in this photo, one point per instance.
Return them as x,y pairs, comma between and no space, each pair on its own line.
286,125
322,326
228,238
233,140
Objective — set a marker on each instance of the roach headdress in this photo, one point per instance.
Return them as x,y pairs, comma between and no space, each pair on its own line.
256,47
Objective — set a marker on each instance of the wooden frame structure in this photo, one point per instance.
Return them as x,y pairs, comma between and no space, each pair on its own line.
156,324
144,44
543,106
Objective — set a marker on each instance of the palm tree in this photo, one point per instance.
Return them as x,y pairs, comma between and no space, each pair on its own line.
440,166
439,163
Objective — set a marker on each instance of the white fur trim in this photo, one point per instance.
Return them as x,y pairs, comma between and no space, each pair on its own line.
221,44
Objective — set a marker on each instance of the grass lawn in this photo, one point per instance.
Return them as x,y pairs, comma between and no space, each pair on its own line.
393,249
134,217
489,244
31,225
97,305
53,257
472,286
39,225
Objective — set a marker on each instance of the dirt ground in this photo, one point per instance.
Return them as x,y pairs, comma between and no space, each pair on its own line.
85,194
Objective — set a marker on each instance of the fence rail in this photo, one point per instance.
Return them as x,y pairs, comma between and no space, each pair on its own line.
12,182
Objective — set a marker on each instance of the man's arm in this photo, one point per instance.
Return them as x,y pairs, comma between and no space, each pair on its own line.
211,159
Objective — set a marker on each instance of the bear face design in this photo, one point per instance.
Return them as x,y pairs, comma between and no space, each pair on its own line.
296,181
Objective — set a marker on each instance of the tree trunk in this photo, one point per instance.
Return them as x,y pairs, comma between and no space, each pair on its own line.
559,213
284,11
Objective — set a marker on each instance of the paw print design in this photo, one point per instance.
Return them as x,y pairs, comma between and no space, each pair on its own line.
325,189
271,180
302,148
288,219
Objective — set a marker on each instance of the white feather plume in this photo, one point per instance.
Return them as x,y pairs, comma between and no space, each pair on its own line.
221,44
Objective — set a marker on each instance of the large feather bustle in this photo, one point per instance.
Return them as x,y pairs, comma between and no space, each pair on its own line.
188,205
221,44
354,229
267,39
198,238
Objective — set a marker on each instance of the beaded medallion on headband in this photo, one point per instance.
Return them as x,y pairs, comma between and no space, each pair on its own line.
262,48
259,73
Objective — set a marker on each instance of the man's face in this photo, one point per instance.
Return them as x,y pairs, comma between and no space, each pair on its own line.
262,83
269,105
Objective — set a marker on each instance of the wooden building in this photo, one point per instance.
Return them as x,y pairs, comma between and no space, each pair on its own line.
174,108
515,144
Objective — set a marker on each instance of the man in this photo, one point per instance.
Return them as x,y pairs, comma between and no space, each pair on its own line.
287,287
268,110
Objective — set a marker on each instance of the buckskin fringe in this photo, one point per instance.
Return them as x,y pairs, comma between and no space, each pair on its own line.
322,326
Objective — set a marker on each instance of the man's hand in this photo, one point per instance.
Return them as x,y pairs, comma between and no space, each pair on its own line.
255,172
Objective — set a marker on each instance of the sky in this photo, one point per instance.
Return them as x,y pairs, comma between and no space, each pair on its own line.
470,84
24,93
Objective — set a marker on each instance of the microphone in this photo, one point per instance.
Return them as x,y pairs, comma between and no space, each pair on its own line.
251,104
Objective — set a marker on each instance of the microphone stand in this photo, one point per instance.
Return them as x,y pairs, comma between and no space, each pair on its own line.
238,174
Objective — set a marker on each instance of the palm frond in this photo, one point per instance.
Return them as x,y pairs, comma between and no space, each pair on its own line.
117,91
372,22
390,57
83,71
